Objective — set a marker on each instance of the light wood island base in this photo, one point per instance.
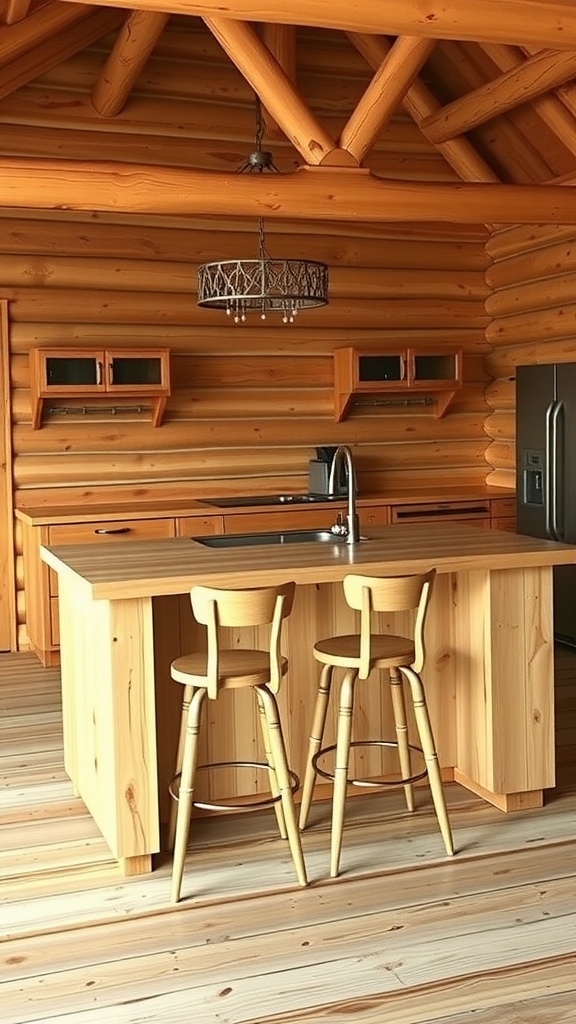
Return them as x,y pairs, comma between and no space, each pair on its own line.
489,671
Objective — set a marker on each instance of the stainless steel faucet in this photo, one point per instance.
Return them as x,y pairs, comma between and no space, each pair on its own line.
352,524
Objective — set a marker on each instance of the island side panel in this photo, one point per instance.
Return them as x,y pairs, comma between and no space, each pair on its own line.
523,679
108,677
503,641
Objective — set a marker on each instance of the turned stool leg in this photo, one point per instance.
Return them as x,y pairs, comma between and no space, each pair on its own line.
281,766
430,756
345,709
187,697
399,709
318,726
272,777
186,791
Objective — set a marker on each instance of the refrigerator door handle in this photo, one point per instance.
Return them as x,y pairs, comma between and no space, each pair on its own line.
549,473
552,519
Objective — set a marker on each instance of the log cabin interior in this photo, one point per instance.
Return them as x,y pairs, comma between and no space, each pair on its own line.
425,156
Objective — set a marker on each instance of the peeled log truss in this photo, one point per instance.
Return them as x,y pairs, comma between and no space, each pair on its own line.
488,83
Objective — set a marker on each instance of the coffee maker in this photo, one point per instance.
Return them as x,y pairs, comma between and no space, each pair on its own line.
319,473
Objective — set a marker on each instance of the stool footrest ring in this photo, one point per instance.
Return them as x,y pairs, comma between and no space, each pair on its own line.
371,783
250,804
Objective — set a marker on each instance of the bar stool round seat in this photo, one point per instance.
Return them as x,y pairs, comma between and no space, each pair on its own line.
207,673
359,655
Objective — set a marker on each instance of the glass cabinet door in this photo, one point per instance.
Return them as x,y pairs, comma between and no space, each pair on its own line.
137,371
70,373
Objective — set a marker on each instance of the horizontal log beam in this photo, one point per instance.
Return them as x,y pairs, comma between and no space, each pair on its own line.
542,22
309,193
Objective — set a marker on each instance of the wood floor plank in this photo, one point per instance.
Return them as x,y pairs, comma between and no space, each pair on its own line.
404,936
389,950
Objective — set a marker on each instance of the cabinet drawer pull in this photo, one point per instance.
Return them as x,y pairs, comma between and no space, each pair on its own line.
121,529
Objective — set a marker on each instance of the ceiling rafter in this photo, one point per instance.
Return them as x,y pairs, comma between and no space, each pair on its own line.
549,108
420,103
535,76
129,55
281,41
275,90
381,99
310,193
49,53
16,10
39,27
543,23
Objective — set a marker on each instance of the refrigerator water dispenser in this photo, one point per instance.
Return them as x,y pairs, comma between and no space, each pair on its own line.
532,477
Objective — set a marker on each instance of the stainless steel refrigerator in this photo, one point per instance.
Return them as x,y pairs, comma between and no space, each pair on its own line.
546,472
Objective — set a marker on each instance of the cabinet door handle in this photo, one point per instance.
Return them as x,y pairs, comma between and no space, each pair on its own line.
98,372
111,371
402,367
120,529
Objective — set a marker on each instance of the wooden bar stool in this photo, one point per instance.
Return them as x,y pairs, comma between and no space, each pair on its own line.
206,674
359,654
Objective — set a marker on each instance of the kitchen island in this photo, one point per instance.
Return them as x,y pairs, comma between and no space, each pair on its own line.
489,670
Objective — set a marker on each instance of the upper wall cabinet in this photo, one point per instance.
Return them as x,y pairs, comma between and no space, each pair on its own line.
406,376
96,373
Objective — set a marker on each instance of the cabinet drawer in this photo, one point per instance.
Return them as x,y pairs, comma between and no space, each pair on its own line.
441,511
199,526
97,532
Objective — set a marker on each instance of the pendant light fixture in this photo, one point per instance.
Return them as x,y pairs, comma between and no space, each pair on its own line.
264,284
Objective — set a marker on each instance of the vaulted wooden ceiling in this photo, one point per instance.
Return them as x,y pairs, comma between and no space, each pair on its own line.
488,83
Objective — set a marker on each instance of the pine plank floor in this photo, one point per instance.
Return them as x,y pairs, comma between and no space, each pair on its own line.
404,936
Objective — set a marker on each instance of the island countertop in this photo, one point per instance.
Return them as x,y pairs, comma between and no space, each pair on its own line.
151,568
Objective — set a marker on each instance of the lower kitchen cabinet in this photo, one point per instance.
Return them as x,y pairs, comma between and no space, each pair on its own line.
41,583
503,514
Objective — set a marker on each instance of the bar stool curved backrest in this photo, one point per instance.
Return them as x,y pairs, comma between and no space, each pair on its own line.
359,654
257,606
207,673
368,594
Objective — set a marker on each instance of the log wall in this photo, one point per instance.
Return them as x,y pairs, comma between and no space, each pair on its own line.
533,309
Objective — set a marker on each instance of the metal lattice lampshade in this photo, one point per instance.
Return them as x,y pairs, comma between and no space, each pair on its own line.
263,285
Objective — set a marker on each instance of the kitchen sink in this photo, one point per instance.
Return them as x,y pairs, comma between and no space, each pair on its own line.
270,499
238,540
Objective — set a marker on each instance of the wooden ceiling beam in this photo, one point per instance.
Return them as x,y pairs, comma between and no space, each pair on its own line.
274,88
544,23
16,10
381,99
130,53
39,27
535,76
420,103
549,108
311,193
281,41
49,54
